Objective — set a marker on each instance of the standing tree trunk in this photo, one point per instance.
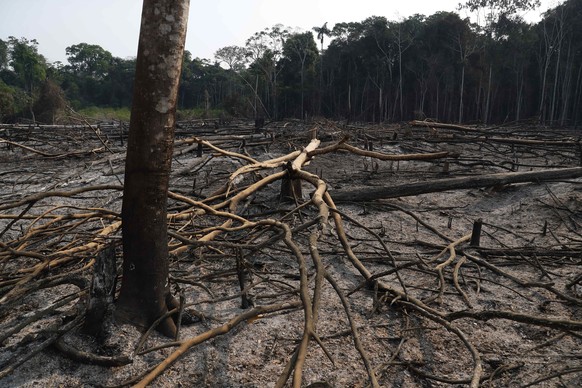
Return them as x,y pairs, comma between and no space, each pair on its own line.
145,293
488,97
461,92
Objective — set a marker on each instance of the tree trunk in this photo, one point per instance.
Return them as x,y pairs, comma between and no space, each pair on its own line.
519,97
302,85
555,91
461,92
567,85
488,97
458,183
145,293
577,97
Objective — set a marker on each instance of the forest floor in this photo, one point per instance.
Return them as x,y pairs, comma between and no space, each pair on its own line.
396,294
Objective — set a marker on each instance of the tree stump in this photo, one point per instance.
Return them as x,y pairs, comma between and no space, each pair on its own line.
99,315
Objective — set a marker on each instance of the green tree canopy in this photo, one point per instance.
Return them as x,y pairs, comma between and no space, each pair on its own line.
89,60
235,57
298,71
25,61
3,54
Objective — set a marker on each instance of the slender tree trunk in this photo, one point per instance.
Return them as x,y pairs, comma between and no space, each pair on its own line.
145,293
363,99
275,107
400,78
488,97
349,102
380,106
256,94
543,91
320,79
478,110
566,86
577,98
302,85
555,91
550,44
519,88
437,100
461,94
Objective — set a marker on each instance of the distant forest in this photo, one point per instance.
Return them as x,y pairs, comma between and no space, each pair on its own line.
441,67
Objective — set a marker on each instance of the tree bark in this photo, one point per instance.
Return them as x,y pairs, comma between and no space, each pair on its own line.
99,313
488,180
145,293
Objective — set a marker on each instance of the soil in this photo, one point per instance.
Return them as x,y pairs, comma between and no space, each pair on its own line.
515,299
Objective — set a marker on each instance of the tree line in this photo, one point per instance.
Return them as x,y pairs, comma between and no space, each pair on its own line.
444,67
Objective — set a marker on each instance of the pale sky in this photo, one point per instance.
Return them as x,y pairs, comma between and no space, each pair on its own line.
213,24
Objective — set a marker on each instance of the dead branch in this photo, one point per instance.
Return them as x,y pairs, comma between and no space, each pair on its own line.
48,155
563,324
220,330
432,124
458,183
293,256
39,196
342,146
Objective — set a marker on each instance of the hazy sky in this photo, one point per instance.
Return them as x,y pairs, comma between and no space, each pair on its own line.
114,24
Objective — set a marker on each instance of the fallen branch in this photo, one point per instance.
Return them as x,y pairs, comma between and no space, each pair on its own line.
562,324
409,189
220,330
379,155
46,154
429,124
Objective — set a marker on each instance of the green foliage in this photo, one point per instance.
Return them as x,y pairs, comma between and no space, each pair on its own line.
501,7
107,113
28,65
50,103
89,60
322,32
297,67
22,71
95,77
440,65
235,57
3,54
13,101
198,113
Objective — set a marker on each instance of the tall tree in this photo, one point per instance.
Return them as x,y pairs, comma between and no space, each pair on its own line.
89,60
322,32
118,85
3,54
265,50
405,35
299,51
145,294
493,11
237,58
28,65
234,56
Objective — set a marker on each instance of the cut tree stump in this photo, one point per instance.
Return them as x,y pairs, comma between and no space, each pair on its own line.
488,180
99,313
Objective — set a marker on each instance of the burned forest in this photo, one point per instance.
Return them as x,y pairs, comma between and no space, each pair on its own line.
322,254
399,206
